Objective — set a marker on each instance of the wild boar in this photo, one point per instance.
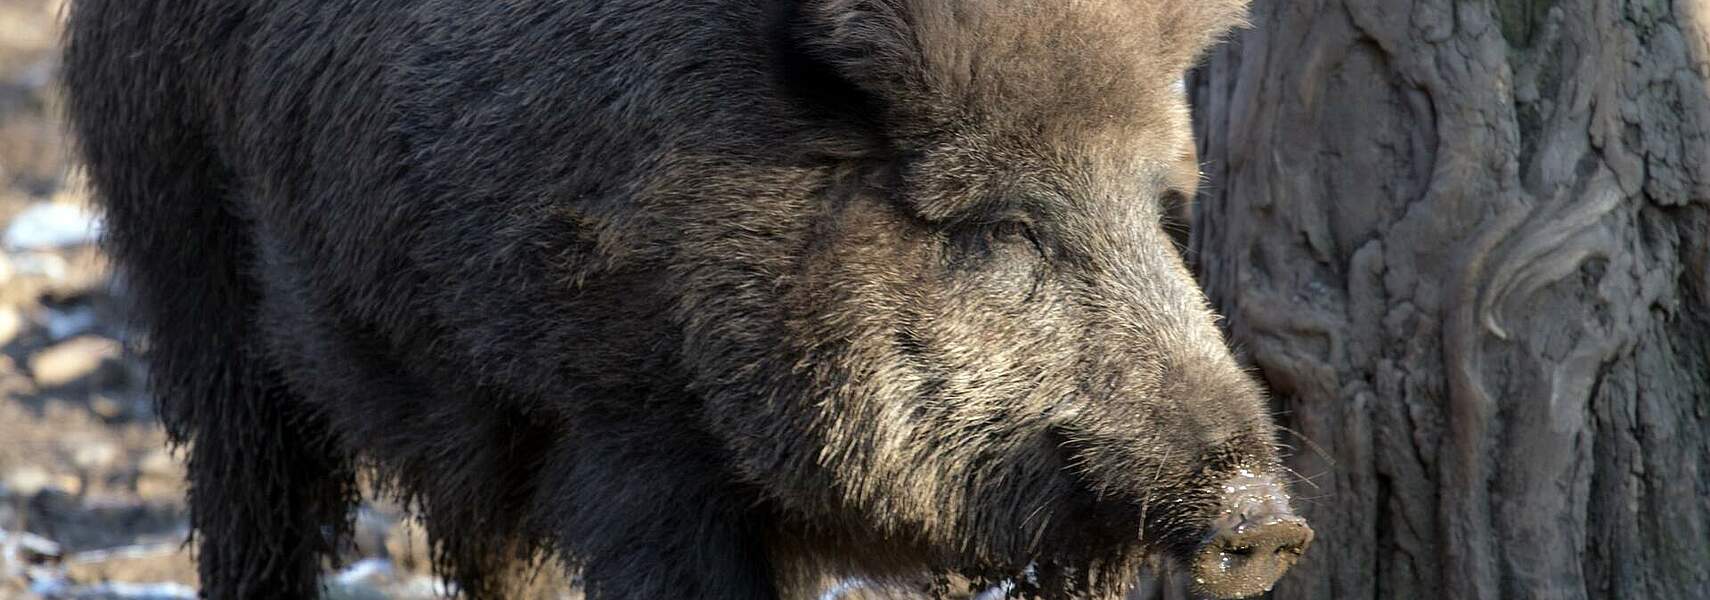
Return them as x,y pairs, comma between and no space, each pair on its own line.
705,298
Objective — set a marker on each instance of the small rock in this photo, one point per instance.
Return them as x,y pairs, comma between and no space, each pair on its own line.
13,587
28,548
159,462
26,480
70,484
108,407
159,477
39,264
39,74
161,562
11,321
160,489
94,454
52,501
73,359
73,321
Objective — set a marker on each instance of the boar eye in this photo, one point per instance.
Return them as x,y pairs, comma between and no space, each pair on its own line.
1012,231
980,245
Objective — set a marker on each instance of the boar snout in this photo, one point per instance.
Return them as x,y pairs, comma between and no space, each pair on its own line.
1254,541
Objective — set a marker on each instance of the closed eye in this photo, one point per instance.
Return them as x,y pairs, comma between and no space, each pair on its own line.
1020,236
1012,231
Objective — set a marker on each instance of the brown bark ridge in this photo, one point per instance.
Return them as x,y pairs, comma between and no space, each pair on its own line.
1468,245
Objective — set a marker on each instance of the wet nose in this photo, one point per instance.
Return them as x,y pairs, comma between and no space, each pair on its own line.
1253,543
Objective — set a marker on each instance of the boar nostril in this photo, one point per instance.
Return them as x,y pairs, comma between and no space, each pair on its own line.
1253,544
1247,559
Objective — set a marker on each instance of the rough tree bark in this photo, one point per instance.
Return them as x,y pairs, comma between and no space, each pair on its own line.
1468,244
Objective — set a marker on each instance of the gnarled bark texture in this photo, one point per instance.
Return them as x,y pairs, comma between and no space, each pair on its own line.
1468,243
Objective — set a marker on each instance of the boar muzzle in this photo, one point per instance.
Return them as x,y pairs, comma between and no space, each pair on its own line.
1254,540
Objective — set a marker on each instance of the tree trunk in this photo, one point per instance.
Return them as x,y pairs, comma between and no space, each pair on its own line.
1468,244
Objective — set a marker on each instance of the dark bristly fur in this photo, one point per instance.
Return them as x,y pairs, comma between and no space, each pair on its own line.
707,298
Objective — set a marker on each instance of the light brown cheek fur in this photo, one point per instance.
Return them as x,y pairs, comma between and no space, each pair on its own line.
906,427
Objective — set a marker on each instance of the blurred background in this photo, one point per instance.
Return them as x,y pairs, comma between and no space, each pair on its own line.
89,496
91,500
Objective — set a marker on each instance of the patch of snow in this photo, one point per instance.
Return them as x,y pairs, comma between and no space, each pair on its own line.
52,225
48,585
362,570
996,593
123,552
132,591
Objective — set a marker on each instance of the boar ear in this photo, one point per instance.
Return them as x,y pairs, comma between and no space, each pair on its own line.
870,44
